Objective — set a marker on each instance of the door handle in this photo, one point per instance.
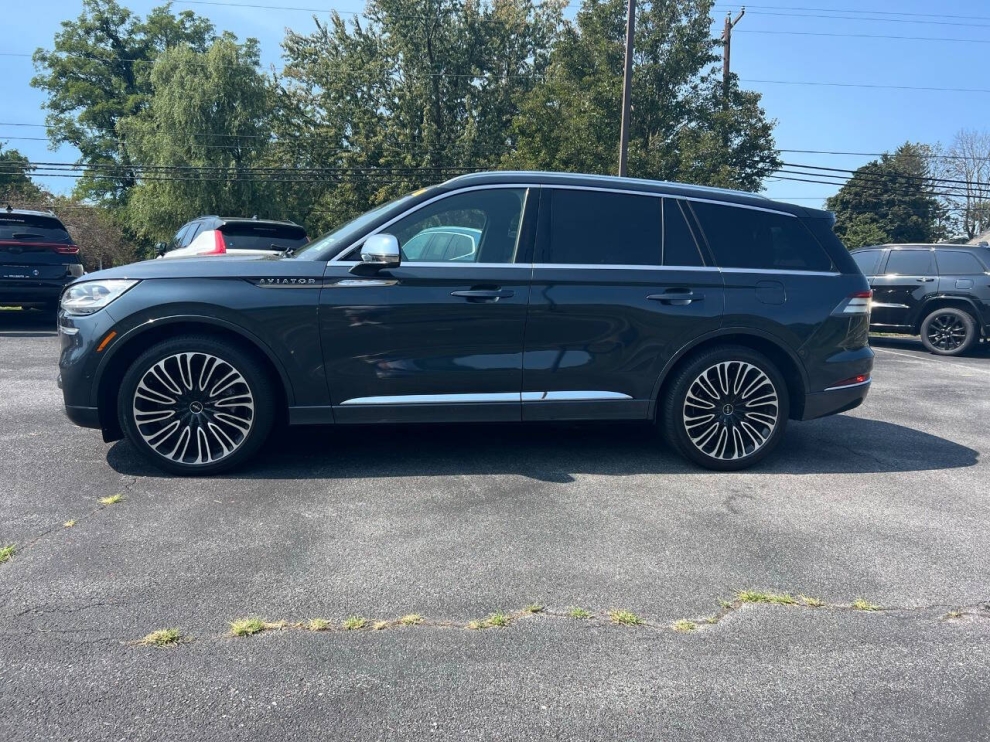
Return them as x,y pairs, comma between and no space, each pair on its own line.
676,297
483,294
924,280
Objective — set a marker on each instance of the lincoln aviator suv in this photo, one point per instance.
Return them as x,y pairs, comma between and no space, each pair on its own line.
718,315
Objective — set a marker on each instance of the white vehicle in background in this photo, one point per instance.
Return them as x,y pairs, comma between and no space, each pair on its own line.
214,235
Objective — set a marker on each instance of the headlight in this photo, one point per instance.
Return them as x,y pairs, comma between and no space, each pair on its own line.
92,296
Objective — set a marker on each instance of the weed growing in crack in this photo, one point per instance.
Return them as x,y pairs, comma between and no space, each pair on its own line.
534,608
68,524
811,602
354,623
6,552
379,625
580,613
111,499
755,596
413,619
954,614
162,638
247,626
685,626
317,624
624,618
497,620
864,605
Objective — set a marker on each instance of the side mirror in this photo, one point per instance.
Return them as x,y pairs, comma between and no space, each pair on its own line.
160,249
378,251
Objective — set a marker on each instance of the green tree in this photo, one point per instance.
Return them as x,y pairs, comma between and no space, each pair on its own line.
98,73
15,180
891,199
682,126
207,127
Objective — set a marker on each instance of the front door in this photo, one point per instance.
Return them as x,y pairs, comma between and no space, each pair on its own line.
439,338
902,287
619,285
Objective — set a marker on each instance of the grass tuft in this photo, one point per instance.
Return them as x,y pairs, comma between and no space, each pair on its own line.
811,602
379,625
6,552
412,619
496,620
864,605
68,524
755,596
534,608
954,614
162,638
625,618
317,624
578,613
354,623
247,626
685,626
111,499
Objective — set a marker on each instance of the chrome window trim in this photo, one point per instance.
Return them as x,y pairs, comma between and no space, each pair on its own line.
780,272
849,386
559,396
617,266
491,186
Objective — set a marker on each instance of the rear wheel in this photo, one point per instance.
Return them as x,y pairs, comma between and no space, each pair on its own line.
948,331
195,405
726,409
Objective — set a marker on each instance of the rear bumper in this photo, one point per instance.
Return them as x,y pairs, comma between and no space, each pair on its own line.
33,292
84,417
843,399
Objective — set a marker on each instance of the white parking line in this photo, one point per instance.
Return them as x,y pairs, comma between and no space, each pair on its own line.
932,359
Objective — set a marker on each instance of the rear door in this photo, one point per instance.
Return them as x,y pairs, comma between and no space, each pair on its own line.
35,249
905,283
960,273
619,285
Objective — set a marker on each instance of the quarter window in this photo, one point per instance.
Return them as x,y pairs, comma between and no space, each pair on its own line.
473,227
911,263
953,263
601,228
868,261
749,238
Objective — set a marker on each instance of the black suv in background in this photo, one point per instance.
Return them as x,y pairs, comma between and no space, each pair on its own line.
214,235
37,258
717,314
941,292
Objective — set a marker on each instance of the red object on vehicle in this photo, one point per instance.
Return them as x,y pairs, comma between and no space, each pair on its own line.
220,246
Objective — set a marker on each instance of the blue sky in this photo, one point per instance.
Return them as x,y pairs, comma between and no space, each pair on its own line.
779,41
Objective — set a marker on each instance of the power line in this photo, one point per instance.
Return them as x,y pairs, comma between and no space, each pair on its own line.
860,11
926,22
866,36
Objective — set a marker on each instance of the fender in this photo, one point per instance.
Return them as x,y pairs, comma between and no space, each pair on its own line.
151,324
957,298
722,332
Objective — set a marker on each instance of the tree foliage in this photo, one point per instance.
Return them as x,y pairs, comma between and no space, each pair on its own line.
965,166
15,179
890,200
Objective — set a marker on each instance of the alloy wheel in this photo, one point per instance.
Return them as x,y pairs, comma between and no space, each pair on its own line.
193,408
731,410
946,332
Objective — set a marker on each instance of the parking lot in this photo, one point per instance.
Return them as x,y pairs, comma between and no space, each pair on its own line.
887,505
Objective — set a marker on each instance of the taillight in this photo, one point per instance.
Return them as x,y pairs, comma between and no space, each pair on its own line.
219,246
67,249
858,303
851,381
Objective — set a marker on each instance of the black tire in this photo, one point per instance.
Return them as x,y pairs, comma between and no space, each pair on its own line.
948,331
229,420
752,431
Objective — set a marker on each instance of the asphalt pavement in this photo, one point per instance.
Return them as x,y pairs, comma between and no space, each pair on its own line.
886,505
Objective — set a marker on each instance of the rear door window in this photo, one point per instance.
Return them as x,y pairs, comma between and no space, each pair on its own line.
868,261
754,239
602,228
679,245
911,263
32,228
955,263
262,236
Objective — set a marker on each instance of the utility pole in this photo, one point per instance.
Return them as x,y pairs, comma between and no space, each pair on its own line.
627,88
727,44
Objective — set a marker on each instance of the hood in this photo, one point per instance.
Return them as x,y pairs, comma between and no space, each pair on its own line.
214,266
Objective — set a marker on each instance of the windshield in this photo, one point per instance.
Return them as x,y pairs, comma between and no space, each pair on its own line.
350,231
31,228
262,236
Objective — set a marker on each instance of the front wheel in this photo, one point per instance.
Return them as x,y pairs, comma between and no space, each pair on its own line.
195,405
726,409
948,331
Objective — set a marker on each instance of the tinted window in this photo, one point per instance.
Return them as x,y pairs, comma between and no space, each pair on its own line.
177,241
958,264
679,246
474,227
597,228
262,236
911,263
747,238
868,261
31,228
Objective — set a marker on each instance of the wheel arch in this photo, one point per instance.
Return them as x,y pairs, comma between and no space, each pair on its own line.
782,357
137,340
942,302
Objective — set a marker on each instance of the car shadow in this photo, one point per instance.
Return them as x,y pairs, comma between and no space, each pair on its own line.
907,342
558,452
29,323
